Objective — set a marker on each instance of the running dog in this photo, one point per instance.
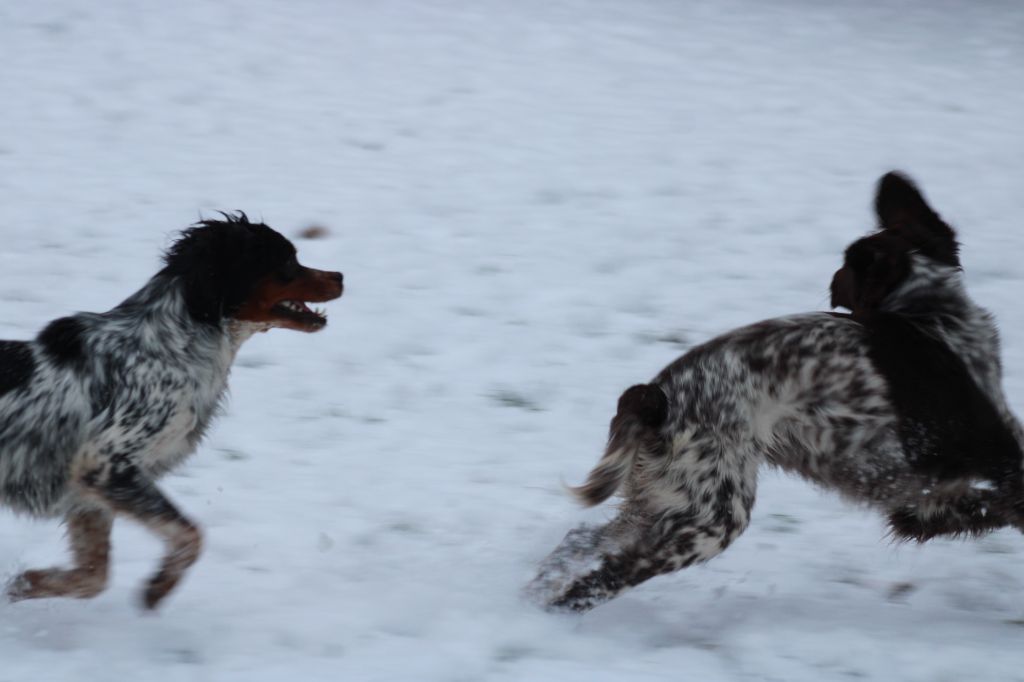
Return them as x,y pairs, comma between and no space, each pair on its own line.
100,405
897,405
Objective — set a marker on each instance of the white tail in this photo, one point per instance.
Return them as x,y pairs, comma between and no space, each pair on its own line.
642,410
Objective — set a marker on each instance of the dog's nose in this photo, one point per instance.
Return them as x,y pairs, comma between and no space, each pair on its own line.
338,277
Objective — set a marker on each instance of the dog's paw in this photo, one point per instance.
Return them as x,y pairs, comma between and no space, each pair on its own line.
578,554
559,592
23,586
546,587
17,588
157,589
151,597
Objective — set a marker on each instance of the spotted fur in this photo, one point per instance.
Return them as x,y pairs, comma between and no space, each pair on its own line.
99,406
897,405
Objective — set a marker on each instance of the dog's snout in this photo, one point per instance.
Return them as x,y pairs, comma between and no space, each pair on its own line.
335,281
842,289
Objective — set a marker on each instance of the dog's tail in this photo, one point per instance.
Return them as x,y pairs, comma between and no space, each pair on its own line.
642,411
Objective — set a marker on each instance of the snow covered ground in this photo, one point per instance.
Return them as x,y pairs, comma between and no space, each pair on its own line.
535,204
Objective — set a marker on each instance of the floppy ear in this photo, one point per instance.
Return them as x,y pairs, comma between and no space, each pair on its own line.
195,258
873,267
902,210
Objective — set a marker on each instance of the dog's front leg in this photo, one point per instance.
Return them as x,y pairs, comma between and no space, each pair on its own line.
128,491
971,513
89,535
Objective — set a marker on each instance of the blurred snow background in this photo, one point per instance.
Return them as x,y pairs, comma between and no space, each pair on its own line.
535,204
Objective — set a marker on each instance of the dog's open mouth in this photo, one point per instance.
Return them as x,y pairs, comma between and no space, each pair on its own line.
301,314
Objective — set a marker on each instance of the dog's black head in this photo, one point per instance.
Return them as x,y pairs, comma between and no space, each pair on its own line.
233,269
876,265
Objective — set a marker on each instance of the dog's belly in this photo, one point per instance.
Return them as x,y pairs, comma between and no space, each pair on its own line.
864,461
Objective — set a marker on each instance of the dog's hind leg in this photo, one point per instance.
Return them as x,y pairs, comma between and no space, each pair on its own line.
682,523
674,542
89,535
129,492
580,552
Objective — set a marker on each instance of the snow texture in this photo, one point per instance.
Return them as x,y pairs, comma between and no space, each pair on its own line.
535,204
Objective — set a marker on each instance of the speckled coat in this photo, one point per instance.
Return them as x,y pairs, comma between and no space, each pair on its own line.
134,387
898,406
99,406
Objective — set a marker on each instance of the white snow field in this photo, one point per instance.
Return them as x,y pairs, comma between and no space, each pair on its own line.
536,204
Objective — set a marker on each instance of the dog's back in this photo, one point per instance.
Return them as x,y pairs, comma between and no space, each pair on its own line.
43,417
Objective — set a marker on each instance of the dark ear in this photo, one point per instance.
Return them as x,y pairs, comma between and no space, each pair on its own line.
208,260
902,210
196,259
873,268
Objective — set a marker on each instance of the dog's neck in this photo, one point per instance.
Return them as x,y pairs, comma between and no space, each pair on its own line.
240,331
157,317
931,289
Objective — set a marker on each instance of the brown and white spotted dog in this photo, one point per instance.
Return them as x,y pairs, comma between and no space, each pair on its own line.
100,405
898,405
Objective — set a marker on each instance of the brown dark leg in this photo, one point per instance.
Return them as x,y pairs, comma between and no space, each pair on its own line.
89,534
128,491
184,543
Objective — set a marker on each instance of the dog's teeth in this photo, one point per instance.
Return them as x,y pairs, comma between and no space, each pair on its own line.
303,309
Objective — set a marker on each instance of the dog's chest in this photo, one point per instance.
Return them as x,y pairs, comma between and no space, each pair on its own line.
159,411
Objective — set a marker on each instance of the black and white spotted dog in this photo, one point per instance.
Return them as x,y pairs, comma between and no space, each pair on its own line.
99,405
898,405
